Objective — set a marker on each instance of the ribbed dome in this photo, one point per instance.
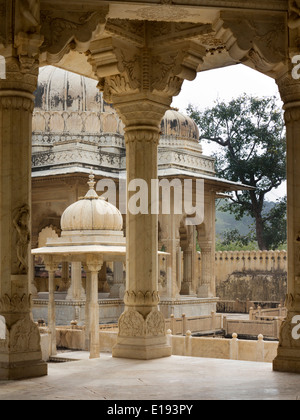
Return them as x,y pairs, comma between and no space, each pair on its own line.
60,90
176,125
91,213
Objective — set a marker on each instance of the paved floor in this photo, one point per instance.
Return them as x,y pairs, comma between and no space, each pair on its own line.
174,378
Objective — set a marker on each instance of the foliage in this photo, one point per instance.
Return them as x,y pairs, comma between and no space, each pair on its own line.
251,134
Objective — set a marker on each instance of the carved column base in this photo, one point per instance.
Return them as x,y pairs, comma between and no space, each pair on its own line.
20,351
204,291
287,360
186,288
142,338
288,354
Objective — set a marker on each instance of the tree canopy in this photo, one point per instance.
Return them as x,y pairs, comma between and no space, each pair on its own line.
251,134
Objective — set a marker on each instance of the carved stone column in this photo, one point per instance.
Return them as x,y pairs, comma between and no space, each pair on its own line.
142,326
76,291
288,358
20,352
188,246
117,289
207,269
206,240
139,73
94,265
51,267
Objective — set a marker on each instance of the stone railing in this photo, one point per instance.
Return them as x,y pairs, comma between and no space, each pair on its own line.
217,348
246,328
222,348
197,324
270,314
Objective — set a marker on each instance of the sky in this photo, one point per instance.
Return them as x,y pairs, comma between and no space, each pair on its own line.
223,85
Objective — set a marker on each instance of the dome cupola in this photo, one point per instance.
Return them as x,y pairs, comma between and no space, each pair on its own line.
179,130
91,214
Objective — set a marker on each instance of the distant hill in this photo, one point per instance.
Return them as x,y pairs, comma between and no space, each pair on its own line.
226,221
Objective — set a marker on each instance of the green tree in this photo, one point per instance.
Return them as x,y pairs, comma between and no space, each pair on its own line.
251,134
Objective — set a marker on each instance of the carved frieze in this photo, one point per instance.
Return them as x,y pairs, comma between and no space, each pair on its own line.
133,324
23,336
155,324
149,298
21,220
15,304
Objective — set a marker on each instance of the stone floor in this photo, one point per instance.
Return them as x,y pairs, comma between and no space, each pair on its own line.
175,378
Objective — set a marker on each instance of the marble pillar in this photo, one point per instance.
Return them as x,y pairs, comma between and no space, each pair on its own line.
20,351
118,288
140,79
76,291
206,241
94,265
288,357
142,326
51,268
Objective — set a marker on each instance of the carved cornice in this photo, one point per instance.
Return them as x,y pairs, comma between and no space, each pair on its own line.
64,31
256,39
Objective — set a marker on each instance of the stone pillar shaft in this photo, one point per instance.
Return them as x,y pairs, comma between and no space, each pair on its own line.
20,353
94,316
93,266
76,291
288,358
51,311
206,240
141,239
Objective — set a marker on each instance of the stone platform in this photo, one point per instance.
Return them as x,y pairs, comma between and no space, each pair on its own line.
110,310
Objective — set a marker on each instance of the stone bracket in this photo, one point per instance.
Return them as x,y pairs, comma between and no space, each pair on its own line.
257,40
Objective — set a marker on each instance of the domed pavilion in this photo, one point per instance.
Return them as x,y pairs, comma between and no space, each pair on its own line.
75,132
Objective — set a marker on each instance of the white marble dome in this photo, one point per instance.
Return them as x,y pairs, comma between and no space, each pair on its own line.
91,213
60,90
177,125
70,104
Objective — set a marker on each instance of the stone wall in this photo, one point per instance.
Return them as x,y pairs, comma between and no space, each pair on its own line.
259,276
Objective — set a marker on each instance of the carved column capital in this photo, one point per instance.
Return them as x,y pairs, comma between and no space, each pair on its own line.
50,264
94,263
138,64
289,88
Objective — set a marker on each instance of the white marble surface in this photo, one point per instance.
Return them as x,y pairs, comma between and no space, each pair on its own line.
172,378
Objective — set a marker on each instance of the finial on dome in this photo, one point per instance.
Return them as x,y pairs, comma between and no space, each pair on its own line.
91,194
91,183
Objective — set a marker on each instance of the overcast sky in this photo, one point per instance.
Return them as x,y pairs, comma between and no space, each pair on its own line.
225,84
